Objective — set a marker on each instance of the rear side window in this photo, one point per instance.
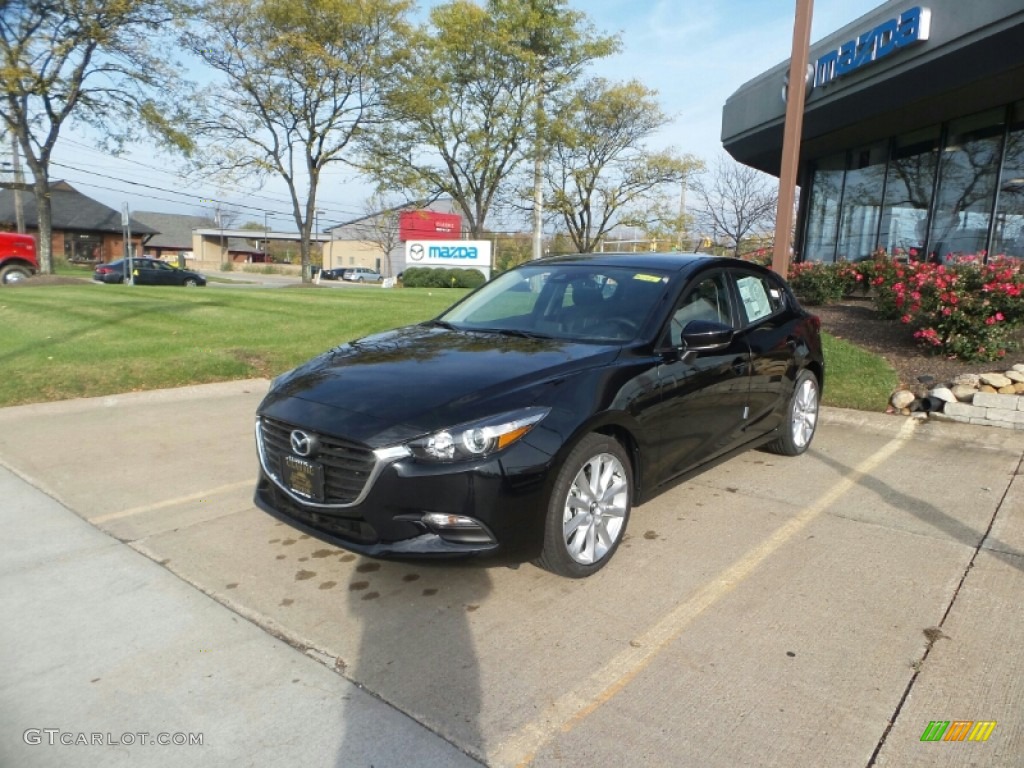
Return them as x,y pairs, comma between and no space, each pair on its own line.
759,296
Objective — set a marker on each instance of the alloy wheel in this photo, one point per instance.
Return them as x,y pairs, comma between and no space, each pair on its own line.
595,509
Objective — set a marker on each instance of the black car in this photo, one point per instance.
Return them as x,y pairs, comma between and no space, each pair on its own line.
529,418
147,272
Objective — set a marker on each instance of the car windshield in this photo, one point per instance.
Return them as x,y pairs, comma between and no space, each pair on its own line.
583,302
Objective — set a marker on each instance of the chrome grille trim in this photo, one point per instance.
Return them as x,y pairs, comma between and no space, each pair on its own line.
341,457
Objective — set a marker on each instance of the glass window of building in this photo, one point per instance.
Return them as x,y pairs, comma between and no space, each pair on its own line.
823,209
862,203
968,171
1008,237
81,246
908,193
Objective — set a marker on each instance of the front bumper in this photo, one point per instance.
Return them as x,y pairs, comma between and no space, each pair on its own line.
410,508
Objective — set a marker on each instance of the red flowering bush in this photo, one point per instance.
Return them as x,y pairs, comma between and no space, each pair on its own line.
817,283
966,309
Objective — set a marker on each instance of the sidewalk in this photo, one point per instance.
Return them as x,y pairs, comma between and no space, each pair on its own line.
101,644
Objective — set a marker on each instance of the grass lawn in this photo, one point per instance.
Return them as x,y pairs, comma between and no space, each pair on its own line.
64,341
855,378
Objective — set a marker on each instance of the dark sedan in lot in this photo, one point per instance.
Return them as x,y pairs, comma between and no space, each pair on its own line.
147,272
532,416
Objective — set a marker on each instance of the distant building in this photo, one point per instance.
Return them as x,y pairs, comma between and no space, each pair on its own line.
84,230
364,241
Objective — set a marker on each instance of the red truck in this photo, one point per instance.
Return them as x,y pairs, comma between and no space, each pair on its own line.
17,257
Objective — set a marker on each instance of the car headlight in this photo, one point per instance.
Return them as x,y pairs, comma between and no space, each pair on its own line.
477,438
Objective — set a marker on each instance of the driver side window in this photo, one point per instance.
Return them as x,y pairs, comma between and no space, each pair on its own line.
708,300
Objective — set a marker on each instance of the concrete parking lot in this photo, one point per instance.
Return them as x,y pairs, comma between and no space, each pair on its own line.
772,612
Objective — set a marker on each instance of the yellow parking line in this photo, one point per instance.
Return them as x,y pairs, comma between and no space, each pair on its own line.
171,502
573,707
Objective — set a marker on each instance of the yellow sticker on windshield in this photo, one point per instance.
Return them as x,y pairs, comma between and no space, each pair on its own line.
648,278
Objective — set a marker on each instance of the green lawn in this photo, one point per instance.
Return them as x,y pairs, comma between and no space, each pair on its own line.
65,341
855,378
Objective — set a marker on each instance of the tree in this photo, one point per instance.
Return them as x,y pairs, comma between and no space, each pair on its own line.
600,174
462,109
380,227
736,203
92,61
299,81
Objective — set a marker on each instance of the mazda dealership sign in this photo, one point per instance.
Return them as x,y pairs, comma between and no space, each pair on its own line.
475,254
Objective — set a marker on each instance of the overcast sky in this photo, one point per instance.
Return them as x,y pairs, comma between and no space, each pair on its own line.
695,54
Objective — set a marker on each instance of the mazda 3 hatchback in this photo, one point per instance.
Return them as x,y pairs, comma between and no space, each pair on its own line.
530,418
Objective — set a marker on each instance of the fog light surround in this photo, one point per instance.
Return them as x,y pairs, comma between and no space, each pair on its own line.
458,529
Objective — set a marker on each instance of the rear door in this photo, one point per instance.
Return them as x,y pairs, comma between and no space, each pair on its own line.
765,325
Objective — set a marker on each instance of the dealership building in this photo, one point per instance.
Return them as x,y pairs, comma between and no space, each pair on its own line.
913,133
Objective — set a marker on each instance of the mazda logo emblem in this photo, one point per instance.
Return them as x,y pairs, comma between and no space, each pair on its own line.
416,252
302,443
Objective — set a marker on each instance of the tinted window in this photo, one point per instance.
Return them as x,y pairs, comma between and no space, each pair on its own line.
707,300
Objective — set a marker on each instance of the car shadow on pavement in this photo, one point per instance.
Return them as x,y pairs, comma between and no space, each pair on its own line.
416,647
928,513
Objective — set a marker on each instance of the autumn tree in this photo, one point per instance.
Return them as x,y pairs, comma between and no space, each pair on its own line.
94,62
600,175
736,203
298,81
463,112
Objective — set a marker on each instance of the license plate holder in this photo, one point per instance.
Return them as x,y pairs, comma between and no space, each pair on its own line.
304,478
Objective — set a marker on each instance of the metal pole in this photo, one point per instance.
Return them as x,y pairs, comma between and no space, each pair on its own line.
538,168
19,178
795,95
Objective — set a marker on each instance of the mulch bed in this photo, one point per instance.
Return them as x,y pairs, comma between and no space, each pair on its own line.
857,321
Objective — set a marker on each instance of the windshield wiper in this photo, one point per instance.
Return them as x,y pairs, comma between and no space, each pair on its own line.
515,332
441,324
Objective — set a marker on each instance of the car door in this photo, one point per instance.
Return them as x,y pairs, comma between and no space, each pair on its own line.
765,324
142,272
703,398
164,274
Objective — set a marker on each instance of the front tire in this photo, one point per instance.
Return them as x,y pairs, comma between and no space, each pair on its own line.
588,509
801,420
191,282
14,273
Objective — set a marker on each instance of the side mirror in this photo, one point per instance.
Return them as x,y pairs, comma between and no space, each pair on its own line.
707,336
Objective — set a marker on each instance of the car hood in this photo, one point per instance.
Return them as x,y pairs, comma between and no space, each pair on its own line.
394,386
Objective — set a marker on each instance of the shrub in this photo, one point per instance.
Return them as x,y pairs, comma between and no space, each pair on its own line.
427,277
817,283
967,310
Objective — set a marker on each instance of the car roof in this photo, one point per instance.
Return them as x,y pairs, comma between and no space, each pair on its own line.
671,261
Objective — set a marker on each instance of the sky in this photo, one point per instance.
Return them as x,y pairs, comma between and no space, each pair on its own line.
694,54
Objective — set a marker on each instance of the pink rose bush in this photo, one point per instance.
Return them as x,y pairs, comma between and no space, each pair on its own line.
968,308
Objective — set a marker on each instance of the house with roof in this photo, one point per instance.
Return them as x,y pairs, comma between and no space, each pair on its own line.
85,231
176,233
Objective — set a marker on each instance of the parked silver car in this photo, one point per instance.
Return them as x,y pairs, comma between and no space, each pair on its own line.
361,275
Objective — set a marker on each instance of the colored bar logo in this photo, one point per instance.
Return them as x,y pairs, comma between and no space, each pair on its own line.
958,730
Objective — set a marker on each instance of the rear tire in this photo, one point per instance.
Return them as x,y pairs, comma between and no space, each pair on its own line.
588,509
801,419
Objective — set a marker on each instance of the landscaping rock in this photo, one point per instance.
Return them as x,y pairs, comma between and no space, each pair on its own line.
1015,376
1007,390
996,380
968,379
1019,367
926,378
964,393
987,388
902,399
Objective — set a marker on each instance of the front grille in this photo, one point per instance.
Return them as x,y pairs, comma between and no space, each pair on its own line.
347,466
345,528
